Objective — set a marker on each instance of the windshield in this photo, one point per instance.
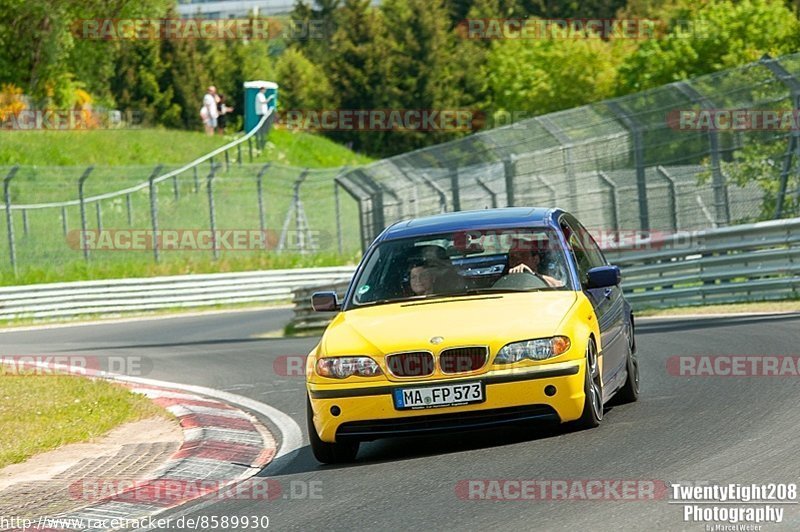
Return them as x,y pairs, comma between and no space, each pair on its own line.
461,264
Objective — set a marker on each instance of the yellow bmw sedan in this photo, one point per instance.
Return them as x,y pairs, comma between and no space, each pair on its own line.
471,320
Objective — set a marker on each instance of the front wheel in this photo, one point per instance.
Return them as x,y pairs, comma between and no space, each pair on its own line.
325,452
593,389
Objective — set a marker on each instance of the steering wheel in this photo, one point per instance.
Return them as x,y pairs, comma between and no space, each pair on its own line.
520,281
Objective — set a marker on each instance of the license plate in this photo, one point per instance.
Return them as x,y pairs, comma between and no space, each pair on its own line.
438,396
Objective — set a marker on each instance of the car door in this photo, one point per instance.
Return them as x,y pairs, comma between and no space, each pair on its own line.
608,302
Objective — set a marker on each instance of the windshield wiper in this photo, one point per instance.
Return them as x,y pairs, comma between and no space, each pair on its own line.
394,300
473,291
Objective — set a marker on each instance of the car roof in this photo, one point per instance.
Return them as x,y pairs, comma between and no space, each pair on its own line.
470,220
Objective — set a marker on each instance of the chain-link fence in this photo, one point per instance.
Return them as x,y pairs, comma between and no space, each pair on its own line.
212,210
647,161
644,162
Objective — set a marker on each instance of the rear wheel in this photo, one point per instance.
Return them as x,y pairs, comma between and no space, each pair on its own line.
325,452
629,392
593,388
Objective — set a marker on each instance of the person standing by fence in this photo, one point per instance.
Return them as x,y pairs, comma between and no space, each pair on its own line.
223,110
262,108
209,112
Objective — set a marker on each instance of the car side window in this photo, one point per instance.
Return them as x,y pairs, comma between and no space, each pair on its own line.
585,250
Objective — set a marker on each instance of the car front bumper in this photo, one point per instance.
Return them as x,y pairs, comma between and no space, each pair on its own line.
511,396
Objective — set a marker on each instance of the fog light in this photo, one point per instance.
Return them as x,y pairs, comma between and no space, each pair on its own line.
549,390
335,410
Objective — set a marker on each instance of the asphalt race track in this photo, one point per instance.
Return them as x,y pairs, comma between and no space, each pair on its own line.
683,429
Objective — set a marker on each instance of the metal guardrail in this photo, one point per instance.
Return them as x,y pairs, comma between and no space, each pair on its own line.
752,262
136,295
745,263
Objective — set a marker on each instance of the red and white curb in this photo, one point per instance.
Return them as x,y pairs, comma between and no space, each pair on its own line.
222,447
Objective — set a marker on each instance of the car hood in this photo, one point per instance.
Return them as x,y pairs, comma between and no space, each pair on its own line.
487,319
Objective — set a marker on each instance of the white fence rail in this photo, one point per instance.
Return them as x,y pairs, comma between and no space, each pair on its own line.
136,295
753,262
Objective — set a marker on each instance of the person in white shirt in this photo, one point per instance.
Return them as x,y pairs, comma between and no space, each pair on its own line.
261,102
209,112
261,109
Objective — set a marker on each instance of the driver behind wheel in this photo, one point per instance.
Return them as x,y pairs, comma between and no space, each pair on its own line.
524,258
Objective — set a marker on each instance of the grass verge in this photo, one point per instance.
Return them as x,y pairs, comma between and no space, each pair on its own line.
57,269
41,413
160,146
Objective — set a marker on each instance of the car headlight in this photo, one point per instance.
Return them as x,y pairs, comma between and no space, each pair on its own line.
343,367
539,349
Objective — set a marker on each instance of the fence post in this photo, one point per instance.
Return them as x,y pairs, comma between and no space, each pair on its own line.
566,154
492,194
614,200
211,213
794,137
175,192
411,180
638,161
338,216
436,188
336,185
262,218
721,204
508,170
64,227
227,161
250,147
239,154
154,209
25,222
299,213
129,208
455,189
9,218
672,196
81,181
344,182
196,180
99,216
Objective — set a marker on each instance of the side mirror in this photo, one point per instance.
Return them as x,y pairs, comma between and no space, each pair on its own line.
603,276
324,301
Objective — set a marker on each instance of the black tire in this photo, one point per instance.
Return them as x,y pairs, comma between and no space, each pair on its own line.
328,453
593,388
629,393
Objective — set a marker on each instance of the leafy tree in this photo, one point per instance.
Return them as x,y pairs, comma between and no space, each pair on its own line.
303,85
544,75
421,51
37,44
359,69
711,36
